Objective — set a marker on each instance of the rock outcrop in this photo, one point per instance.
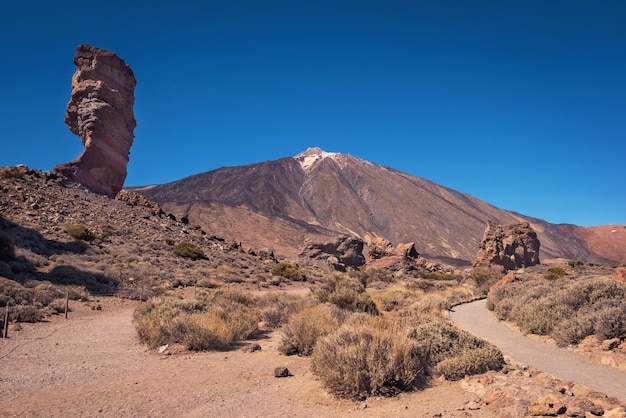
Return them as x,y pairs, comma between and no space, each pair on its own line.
509,246
343,253
100,111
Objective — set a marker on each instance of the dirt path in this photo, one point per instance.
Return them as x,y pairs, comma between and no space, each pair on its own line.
475,318
93,365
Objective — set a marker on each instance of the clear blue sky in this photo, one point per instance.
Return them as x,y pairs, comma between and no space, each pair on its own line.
518,103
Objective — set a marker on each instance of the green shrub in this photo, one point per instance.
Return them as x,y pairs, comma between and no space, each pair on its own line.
475,361
485,278
7,247
554,272
169,241
541,316
345,292
288,271
439,275
609,321
367,356
188,250
80,231
304,328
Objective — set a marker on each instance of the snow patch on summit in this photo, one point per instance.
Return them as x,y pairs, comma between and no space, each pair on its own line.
311,156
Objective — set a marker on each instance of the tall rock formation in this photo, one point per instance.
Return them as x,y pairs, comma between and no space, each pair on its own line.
100,111
509,246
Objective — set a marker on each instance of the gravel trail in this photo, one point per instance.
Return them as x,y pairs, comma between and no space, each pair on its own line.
475,318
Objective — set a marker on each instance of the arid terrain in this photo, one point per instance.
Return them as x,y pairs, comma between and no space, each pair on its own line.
93,363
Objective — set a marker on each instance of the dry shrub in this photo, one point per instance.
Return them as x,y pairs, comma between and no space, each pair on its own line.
189,250
304,328
485,278
27,313
346,293
431,305
210,322
275,309
367,356
452,352
567,310
288,271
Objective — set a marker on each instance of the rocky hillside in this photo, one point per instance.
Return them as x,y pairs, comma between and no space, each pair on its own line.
316,195
131,246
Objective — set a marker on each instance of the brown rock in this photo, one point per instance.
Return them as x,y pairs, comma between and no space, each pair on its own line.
407,251
620,274
511,246
342,253
547,406
608,345
134,199
379,247
100,111
508,278
282,372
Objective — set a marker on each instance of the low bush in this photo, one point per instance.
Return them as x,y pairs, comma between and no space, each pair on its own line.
210,322
567,310
485,278
346,293
80,231
26,313
554,273
367,356
288,271
438,275
189,250
452,352
275,309
304,328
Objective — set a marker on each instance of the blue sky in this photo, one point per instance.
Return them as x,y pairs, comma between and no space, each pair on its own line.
518,103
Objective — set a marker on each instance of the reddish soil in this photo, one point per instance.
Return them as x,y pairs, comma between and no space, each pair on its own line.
93,365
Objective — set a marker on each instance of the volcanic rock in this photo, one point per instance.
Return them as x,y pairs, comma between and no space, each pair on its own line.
100,111
510,246
344,252
620,274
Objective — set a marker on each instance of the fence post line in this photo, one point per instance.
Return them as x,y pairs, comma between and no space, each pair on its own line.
5,331
67,303
141,295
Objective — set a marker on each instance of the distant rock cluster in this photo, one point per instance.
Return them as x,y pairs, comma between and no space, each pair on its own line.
100,111
509,246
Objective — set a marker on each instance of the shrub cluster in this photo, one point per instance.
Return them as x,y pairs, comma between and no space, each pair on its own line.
211,321
485,278
371,355
189,250
80,231
304,328
367,356
554,272
288,271
345,292
568,311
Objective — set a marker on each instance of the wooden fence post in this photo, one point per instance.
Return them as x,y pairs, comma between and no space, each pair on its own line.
5,331
141,295
67,303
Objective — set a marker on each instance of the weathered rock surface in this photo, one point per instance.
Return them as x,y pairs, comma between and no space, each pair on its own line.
620,274
510,246
342,253
100,111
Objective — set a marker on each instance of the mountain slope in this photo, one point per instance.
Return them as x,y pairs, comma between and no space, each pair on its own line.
316,195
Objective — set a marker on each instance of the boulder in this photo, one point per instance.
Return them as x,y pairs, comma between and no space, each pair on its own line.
509,246
407,251
134,199
508,278
344,252
620,274
100,111
282,372
379,247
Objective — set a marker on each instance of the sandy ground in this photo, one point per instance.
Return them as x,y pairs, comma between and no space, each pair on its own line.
93,365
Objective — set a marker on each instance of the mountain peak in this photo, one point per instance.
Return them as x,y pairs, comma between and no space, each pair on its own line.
311,156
